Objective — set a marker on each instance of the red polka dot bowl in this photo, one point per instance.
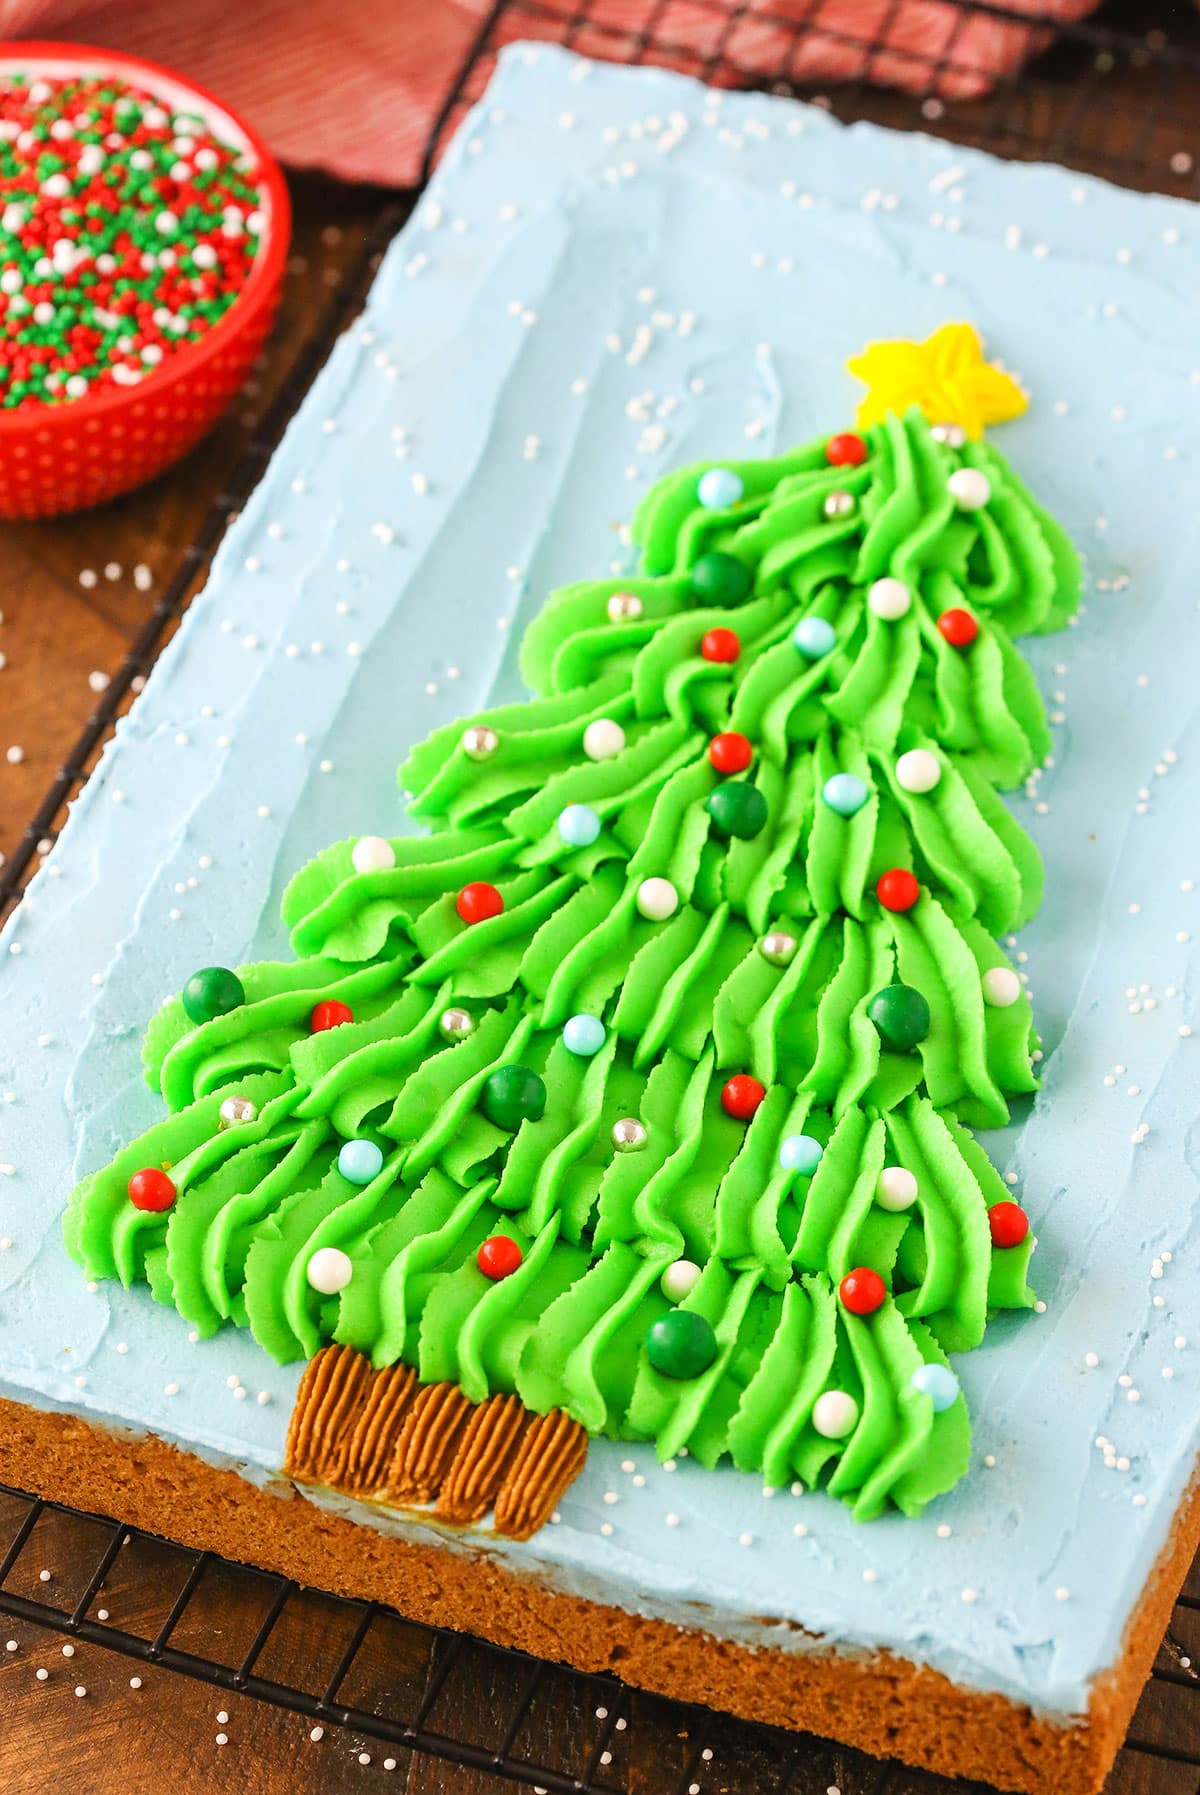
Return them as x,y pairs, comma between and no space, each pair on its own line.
69,456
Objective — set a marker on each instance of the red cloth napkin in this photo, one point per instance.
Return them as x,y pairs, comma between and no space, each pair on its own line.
356,89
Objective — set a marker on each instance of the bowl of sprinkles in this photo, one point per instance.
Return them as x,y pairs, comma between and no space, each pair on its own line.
143,242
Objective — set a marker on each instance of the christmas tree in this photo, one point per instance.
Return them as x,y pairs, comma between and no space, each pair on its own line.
637,1094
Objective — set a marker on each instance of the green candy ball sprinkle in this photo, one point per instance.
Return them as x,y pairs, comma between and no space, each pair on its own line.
901,1015
681,1344
212,992
738,809
512,1095
719,579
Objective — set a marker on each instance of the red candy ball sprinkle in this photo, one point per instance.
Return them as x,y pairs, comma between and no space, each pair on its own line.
329,1014
499,1257
862,1291
478,901
845,450
730,752
958,627
1009,1224
720,645
897,889
151,1189
741,1096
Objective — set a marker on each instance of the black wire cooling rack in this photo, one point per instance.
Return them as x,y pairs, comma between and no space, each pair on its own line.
1116,94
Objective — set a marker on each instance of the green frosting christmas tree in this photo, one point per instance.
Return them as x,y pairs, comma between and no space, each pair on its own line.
641,1085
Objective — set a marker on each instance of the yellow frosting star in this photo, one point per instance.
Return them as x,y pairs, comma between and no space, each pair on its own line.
946,375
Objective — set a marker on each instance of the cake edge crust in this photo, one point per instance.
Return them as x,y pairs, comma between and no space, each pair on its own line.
877,1702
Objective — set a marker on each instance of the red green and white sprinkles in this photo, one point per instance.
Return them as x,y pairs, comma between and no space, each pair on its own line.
127,230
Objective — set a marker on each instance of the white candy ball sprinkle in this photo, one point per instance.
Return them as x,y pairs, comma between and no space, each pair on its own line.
895,1189
679,1280
329,1270
889,600
603,739
479,741
372,854
629,1135
969,488
918,771
835,1414
657,899
236,1111
624,607
1001,987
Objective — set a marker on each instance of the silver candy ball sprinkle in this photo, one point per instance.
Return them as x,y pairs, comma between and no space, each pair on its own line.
236,1110
479,741
778,947
840,504
628,1135
624,605
953,435
456,1024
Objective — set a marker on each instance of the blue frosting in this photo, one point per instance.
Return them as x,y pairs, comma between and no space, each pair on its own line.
616,273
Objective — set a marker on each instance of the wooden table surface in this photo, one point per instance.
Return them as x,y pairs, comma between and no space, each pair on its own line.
73,595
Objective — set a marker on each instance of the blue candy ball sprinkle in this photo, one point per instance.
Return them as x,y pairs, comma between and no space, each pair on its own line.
360,1161
579,825
845,793
938,1383
814,637
801,1154
719,488
584,1035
